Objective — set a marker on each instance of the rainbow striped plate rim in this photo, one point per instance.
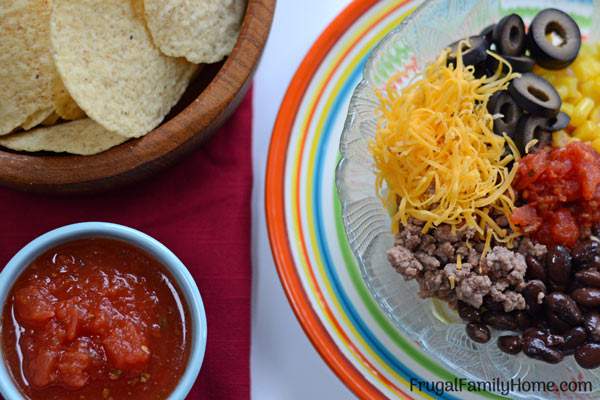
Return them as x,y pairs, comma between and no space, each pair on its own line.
316,266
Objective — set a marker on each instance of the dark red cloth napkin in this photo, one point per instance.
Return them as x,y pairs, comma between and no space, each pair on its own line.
200,209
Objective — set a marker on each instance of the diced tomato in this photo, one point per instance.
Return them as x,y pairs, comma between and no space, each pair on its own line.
66,312
563,228
561,191
530,169
72,368
34,305
127,348
42,368
526,217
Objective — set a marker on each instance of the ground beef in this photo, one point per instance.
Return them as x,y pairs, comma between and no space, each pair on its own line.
528,247
503,263
431,259
472,289
405,262
428,262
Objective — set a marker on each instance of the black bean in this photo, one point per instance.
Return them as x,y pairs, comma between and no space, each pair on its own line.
549,339
541,322
468,313
535,269
573,339
584,252
510,344
564,308
479,333
593,263
556,324
592,326
524,321
558,264
553,340
536,348
589,277
588,355
575,284
492,305
589,297
554,287
500,320
535,332
533,293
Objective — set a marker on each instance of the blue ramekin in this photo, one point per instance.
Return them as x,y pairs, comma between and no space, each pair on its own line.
185,282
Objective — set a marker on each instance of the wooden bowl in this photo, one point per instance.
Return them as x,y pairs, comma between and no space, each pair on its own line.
207,103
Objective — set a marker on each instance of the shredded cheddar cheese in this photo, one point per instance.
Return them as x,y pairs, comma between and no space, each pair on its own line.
531,144
436,156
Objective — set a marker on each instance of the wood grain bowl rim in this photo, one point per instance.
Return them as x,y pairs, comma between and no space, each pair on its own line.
139,158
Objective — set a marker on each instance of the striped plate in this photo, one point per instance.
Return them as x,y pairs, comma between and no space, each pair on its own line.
317,269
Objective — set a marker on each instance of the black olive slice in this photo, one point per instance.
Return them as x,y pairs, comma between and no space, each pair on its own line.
509,35
481,70
488,33
563,47
502,103
521,63
473,51
561,121
535,95
531,127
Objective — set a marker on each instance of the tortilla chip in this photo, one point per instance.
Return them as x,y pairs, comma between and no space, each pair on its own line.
110,66
138,9
83,137
202,31
26,69
64,104
51,120
37,118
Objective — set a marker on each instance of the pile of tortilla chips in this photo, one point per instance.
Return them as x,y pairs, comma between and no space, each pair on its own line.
82,76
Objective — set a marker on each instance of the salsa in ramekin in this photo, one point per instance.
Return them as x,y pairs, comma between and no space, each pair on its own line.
96,318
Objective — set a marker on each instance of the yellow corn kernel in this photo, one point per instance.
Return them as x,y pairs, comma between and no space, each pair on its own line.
596,145
587,50
593,68
560,138
582,110
563,91
594,88
585,68
587,131
539,70
590,89
570,82
567,108
549,73
595,115
552,78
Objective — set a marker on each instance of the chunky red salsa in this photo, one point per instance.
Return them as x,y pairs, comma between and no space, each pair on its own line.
96,319
561,189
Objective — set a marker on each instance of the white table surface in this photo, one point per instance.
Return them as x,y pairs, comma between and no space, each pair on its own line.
284,365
